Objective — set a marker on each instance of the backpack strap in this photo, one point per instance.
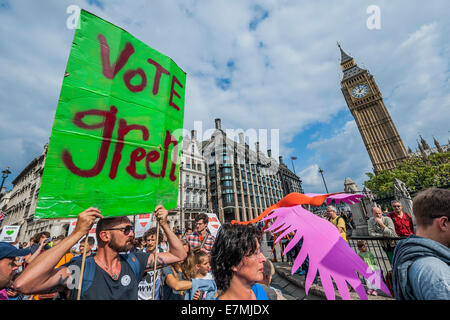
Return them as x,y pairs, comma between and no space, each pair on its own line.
79,257
175,273
88,275
337,220
133,262
204,239
89,269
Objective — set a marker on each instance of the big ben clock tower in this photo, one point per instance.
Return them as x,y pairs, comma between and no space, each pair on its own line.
364,99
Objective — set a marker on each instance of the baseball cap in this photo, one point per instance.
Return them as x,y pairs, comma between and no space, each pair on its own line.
9,251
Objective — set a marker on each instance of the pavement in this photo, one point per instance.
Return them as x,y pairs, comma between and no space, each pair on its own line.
293,285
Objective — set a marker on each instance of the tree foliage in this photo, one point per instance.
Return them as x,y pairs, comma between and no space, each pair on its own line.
417,172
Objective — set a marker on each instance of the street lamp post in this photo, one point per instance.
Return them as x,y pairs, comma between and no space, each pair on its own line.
293,167
5,174
321,172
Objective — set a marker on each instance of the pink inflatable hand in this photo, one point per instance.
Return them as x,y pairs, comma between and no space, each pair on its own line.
345,197
349,198
328,252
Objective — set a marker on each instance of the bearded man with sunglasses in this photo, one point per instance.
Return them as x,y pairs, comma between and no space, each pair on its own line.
115,276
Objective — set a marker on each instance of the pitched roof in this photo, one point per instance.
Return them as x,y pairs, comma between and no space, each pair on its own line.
353,71
344,57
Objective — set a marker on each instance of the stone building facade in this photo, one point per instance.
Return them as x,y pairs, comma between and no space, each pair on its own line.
425,150
242,183
192,192
289,180
22,203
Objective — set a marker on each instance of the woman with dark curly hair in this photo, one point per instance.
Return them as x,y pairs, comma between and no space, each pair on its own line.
237,262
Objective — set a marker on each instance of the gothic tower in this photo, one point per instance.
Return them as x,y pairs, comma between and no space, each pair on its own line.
364,99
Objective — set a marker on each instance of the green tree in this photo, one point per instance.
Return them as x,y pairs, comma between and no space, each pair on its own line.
431,171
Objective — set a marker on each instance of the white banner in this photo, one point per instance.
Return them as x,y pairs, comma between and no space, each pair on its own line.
213,223
72,225
9,233
142,224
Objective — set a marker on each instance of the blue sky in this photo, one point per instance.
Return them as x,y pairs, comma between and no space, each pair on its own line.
255,64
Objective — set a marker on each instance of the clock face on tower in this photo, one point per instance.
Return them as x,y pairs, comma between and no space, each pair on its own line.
360,91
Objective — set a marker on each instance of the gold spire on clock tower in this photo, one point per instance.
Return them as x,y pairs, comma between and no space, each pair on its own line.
364,99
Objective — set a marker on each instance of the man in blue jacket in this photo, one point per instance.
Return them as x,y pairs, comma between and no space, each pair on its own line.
421,269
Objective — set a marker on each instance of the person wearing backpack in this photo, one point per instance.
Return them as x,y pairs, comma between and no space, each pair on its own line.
109,275
421,263
337,220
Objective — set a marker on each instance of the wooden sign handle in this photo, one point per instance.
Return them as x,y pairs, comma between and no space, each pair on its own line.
82,267
156,259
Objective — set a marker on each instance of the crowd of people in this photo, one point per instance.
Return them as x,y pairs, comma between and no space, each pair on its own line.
165,264
122,267
421,260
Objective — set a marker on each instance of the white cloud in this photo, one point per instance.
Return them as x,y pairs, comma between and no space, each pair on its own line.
340,156
311,177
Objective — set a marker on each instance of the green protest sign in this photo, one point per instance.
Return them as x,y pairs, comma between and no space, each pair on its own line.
112,144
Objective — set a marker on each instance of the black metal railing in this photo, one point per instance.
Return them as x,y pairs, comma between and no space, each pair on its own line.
377,246
195,185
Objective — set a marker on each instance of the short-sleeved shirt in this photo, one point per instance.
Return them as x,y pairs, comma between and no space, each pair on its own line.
195,240
145,290
65,259
339,222
403,226
259,292
104,287
167,293
369,258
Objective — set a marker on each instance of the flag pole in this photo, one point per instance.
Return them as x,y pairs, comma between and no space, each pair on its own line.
80,282
156,259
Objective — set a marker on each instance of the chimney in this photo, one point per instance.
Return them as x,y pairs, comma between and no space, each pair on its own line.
241,137
269,153
257,146
194,134
281,159
217,123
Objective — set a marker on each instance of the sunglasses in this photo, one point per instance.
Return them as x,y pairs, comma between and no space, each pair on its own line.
126,230
396,206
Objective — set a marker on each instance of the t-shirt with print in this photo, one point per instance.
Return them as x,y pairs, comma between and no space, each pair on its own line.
167,293
104,287
145,290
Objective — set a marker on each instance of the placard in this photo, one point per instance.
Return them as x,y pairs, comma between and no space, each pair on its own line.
114,144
